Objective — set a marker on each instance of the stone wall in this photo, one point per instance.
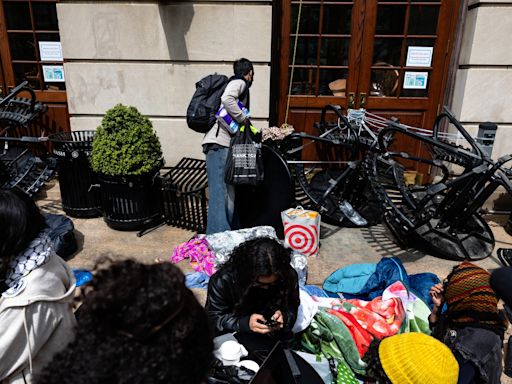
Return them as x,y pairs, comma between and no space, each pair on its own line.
150,54
482,86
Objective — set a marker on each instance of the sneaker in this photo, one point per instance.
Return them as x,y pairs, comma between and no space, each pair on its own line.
505,256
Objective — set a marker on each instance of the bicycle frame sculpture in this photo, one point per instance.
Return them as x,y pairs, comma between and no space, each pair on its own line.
441,218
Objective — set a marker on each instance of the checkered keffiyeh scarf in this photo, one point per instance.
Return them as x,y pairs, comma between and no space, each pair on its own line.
37,253
469,296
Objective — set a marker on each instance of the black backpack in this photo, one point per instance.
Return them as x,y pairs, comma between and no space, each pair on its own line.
206,102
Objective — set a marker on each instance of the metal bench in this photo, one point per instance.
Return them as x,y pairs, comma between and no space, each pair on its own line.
20,166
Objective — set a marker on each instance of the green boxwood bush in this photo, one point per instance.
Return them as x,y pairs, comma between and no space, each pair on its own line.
125,144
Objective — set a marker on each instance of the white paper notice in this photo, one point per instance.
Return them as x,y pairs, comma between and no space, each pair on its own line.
419,56
53,73
50,50
415,80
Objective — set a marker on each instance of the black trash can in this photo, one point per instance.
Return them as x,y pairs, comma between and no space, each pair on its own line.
76,179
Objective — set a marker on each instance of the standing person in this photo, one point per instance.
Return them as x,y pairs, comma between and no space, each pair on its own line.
37,291
138,324
472,326
255,294
216,143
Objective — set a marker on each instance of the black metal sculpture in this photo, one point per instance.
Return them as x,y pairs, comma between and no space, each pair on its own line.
19,165
443,217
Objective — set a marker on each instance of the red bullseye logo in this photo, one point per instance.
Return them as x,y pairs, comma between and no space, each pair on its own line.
302,238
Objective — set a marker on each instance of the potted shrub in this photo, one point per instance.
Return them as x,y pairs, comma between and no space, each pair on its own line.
127,157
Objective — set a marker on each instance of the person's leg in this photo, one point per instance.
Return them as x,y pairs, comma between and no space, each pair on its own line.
501,283
220,195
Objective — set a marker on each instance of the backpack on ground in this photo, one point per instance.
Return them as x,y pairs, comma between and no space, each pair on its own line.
206,102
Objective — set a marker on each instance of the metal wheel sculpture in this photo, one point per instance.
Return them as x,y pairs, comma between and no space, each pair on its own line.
441,218
335,186
24,161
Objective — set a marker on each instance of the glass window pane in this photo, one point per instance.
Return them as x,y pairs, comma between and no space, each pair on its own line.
17,15
306,50
55,86
22,46
337,19
309,19
27,72
45,16
47,37
387,51
415,92
423,20
384,82
334,51
390,20
304,80
333,82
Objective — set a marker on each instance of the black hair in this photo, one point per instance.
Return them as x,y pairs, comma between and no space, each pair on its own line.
374,370
261,256
242,67
138,324
20,223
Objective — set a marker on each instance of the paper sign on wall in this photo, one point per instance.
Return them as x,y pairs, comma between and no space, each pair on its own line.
415,80
53,73
419,56
50,50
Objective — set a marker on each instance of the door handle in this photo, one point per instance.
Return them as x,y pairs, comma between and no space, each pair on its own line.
351,100
362,100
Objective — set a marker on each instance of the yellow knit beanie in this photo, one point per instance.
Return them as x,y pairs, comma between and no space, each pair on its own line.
416,358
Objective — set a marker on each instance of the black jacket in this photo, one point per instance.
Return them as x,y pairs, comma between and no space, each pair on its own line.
224,293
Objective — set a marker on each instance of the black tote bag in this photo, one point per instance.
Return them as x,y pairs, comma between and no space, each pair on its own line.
244,165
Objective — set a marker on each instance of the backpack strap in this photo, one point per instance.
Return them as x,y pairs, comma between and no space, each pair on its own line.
242,96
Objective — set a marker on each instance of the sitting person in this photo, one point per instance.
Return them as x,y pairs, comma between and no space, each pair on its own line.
410,358
472,327
255,294
37,291
138,324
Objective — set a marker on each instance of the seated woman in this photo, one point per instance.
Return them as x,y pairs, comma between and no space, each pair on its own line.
472,327
255,294
37,291
138,324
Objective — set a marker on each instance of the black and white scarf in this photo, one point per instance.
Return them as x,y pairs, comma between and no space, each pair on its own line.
37,253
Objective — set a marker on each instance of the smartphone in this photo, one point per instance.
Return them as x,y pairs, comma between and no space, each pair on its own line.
271,323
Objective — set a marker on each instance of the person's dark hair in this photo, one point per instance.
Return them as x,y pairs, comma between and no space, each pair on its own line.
242,67
374,370
262,256
20,223
138,324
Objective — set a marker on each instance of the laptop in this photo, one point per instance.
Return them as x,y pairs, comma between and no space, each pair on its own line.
277,368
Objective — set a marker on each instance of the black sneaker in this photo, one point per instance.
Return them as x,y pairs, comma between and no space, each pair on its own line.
505,256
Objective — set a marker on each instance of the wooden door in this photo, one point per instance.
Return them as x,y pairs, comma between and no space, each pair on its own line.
23,25
364,45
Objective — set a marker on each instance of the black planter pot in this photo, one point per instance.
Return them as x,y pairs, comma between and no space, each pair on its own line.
131,203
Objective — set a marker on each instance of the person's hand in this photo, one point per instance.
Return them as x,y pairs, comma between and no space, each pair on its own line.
256,324
278,317
437,295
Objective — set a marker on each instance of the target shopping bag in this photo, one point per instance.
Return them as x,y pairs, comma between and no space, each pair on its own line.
302,230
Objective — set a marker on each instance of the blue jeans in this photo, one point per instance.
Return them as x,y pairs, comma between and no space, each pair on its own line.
221,198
